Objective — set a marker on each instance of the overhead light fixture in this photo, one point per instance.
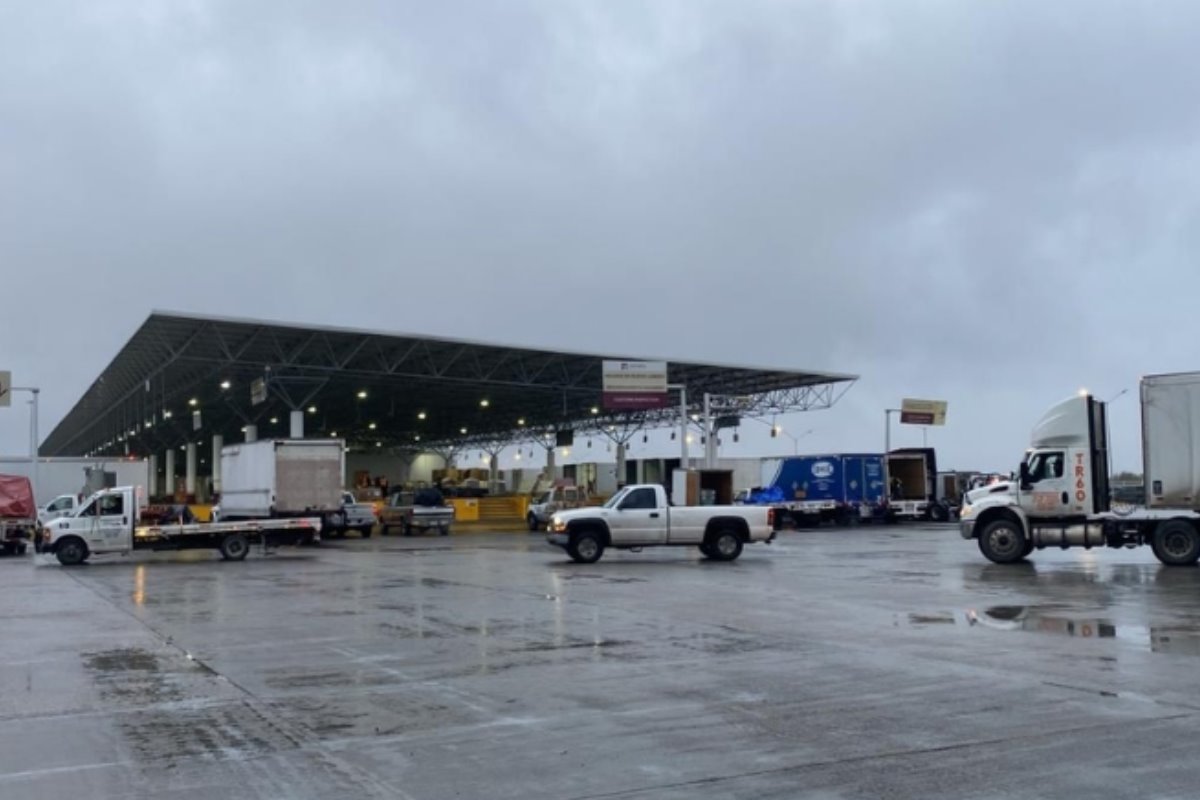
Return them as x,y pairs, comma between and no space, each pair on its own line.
484,403
612,428
193,402
736,438
517,457
274,420
595,410
421,415
362,394
566,452
379,444
775,431
645,438
333,434
463,431
521,421
417,438
225,384
312,409
672,436
371,426
243,429
166,415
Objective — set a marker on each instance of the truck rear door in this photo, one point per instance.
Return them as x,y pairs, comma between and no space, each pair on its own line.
639,520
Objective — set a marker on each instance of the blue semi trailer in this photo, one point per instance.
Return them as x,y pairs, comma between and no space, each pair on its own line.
838,488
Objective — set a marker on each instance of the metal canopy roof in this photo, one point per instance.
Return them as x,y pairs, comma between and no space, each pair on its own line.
373,388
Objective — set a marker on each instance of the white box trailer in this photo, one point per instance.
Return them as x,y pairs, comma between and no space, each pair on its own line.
283,478
77,478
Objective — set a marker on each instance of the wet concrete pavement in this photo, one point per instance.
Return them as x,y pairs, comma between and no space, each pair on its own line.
862,663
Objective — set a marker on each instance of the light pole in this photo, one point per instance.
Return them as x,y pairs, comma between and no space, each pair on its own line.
776,430
887,448
33,435
683,423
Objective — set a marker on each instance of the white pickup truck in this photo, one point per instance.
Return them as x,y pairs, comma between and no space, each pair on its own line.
640,516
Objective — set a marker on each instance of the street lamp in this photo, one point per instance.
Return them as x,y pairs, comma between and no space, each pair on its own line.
33,434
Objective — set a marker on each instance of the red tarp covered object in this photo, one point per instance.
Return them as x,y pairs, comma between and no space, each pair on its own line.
16,498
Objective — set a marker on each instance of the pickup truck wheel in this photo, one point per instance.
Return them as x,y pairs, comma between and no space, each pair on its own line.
407,529
533,523
706,551
71,551
21,548
585,547
726,545
234,547
1002,541
1176,543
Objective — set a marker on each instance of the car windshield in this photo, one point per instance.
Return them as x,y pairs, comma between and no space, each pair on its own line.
616,499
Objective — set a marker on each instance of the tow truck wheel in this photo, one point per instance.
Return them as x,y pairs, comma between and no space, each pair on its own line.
71,551
726,545
1176,543
1002,541
533,523
585,547
234,547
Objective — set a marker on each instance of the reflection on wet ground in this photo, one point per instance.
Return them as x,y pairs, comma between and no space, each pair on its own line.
1177,637
851,663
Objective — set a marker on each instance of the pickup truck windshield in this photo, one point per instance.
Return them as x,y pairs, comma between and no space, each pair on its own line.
616,499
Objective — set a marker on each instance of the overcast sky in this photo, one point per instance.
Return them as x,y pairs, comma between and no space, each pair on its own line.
993,204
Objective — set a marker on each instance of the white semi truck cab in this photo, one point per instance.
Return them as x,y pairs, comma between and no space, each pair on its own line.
1061,497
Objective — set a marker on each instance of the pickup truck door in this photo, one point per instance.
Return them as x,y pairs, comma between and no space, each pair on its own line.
639,520
105,524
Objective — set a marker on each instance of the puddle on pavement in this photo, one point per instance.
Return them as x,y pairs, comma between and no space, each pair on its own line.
1177,638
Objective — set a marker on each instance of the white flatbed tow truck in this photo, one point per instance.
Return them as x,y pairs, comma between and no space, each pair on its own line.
107,523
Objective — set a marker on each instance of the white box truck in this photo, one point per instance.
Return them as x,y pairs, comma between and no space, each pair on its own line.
1061,497
279,478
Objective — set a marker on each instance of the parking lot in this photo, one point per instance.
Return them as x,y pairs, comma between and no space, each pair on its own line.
862,663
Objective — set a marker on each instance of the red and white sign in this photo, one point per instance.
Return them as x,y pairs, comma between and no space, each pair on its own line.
635,385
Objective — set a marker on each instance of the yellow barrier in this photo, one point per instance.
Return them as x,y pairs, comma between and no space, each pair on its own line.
466,509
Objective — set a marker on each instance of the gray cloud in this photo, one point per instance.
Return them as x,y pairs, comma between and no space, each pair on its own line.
990,203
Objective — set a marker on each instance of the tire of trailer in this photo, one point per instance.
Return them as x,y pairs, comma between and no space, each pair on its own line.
234,547
939,513
1176,543
71,551
1002,541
